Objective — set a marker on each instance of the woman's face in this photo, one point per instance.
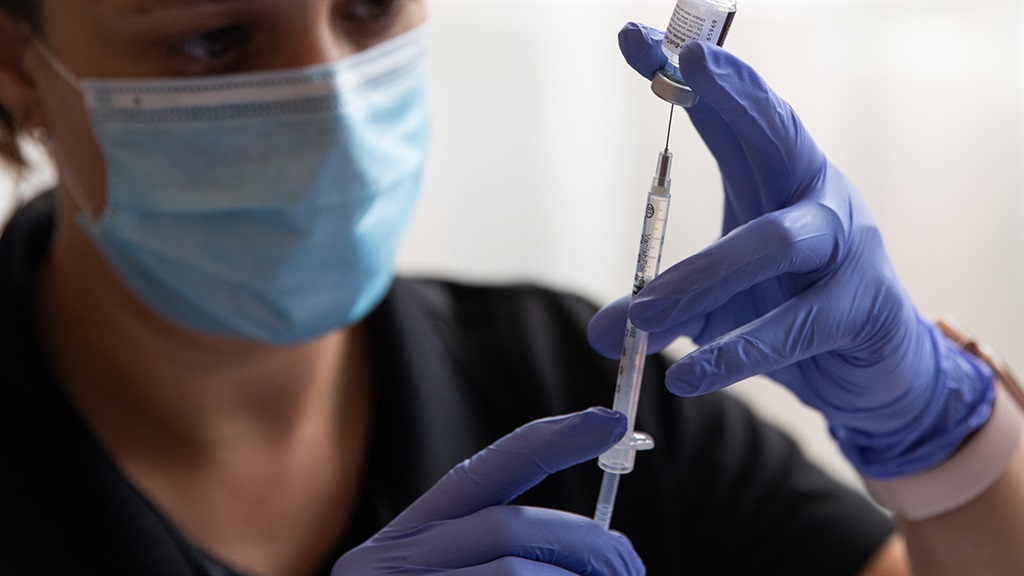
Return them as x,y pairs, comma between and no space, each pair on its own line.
178,38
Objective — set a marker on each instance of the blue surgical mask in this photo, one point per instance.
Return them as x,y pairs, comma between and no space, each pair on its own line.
267,206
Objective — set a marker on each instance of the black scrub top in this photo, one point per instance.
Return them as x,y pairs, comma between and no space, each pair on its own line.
456,367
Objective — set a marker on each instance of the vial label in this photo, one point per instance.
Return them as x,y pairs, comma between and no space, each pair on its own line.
692,21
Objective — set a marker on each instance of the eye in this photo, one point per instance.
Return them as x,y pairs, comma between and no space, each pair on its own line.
213,45
367,10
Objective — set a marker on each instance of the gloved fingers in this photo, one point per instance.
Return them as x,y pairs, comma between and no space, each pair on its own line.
550,537
802,239
516,463
759,142
641,46
800,328
772,137
511,566
606,331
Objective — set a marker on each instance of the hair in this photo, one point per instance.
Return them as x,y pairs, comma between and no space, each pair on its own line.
26,11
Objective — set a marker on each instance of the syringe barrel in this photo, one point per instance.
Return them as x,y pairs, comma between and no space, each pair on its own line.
619,459
652,237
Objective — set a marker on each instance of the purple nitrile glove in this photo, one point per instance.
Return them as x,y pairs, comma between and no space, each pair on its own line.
799,287
463,525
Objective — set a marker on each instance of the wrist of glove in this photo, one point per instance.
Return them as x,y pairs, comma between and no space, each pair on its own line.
799,287
928,422
977,464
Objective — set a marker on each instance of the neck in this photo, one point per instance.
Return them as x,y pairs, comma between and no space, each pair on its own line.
254,451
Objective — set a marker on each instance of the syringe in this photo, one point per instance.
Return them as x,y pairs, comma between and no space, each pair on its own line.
619,459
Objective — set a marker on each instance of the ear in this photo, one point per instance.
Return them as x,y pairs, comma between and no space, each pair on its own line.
18,92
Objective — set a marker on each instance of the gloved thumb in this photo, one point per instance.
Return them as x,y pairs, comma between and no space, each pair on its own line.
516,463
641,46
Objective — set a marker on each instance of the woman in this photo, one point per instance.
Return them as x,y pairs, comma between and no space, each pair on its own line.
212,370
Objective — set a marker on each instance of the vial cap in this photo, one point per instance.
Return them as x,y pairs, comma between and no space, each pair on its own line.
671,91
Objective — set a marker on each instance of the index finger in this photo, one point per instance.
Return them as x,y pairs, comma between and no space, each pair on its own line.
802,239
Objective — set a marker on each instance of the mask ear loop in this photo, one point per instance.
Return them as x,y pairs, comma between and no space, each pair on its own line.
71,185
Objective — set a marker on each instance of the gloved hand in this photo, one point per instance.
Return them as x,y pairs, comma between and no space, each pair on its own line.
462,525
799,287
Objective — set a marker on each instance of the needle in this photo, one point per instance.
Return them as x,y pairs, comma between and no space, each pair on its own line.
671,109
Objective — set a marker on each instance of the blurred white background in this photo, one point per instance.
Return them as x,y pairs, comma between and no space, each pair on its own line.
545,141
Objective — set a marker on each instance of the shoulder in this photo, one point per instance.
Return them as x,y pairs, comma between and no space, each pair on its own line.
489,303
24,245
507,353
64,505
521,323
526,314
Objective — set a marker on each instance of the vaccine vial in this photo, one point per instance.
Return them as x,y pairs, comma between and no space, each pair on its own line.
692,20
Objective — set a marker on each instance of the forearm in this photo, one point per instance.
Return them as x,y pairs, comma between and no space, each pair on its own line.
984,536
